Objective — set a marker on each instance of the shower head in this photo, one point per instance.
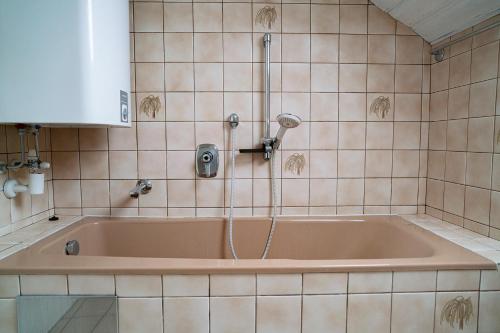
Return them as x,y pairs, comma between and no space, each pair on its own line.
286,121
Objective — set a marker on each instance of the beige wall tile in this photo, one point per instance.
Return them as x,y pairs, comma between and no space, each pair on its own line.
480,134
95,193
406,163
458,280
408,78
324,313
477,204
232,285
123,138
353,19
296,77
237,17
351,135
149,77
455,167
138,285
484,64
208,47
352,106
460,70
350,192
404,191
419,320
232,314
278,314
94,165
207,17
454,197
324,18
479,170
237,76
381,48
370,282
353,49
185,285
296,18
208,77
482,98
149,47
351,163
379,22
279,284
93,138
380,78
140,315
409,50
9,286
178,46
91,284
378,191
324,283
324,78
458,103
324,48
148,17
414,281
62,139
361,316
488,315
67,193
378,163
352,77
490,280
408,107
44,285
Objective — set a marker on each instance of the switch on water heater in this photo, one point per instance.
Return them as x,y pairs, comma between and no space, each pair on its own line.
207,160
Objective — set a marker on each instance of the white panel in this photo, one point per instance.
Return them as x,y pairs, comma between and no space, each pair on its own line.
437,19
63,62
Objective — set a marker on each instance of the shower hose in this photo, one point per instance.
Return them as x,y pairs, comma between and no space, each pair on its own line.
231,201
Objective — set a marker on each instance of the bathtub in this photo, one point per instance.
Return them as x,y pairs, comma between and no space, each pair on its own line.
199,245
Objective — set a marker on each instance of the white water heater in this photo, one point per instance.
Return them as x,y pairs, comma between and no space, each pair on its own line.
65,62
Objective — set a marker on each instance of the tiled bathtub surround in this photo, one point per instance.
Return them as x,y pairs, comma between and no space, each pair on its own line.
310,302
203,60
24,209
464,135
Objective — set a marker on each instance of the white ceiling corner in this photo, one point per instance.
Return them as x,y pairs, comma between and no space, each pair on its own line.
435,20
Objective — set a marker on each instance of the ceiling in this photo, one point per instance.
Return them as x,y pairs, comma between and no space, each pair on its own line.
435,20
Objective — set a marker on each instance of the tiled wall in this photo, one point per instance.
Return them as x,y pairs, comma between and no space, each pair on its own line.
464,135
204,61
307,303
24,209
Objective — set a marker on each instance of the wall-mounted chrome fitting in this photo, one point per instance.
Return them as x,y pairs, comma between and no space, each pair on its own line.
207,160
438,55
143,186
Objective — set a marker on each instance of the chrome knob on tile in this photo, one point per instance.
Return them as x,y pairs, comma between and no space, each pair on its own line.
207,160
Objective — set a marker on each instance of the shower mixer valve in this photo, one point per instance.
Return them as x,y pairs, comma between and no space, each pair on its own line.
207,160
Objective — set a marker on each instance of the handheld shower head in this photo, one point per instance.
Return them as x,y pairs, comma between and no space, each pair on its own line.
286,121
